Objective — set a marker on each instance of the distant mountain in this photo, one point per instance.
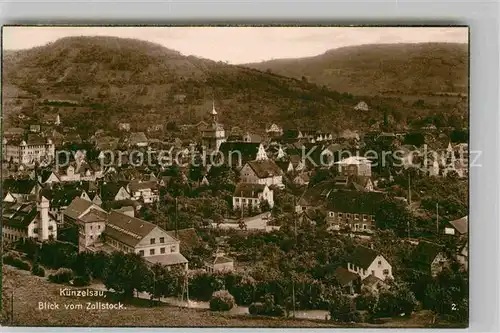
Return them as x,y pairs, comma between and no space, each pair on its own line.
115,80
404,69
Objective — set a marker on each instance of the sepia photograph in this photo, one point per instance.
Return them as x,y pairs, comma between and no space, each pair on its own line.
235,176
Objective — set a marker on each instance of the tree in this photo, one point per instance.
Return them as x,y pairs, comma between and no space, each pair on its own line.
393,214
342,308
126,273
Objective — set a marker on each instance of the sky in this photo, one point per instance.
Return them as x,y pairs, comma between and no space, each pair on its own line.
239,45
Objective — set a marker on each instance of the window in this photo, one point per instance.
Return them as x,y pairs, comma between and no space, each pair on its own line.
386,272
364,226
152,251
152,241
51,227
373,273
365,217
173,248
91,237
162,250
339,215
99,226
162,239
348,215
356,216
237,200
304,208
331,214
379,263
90,227
35,230
356,226
141,252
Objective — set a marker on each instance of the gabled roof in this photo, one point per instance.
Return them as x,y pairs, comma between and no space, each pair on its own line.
461,225
94,215
110,190
19,216
426,252
127,229
248,150
222,260
77,207
265,168
363,257
141,185
283,165
137,137
355,202
19,186
167,259
248,190
343,276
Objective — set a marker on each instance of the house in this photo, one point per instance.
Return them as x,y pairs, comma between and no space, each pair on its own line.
34,149
355,166
349,282
353,183
429,257
274,130
138,139
76,209
124,127
238,153
18,190
220,263
130,234
147,191
314,197
250,137
361,106
352,210
463,256
28,220
114,191
366,262
458,228
302,179
262,172
246,194
35,128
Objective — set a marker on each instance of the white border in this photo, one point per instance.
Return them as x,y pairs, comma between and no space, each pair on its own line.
483,19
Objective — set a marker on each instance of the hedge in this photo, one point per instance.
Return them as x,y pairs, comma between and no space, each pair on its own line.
262,309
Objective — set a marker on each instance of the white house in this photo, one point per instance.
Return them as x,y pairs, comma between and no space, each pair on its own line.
264,172
366,262
247,194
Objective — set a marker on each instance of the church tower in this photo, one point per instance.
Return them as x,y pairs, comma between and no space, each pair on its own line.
213,135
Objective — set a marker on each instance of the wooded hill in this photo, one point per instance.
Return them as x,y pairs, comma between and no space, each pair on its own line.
126,80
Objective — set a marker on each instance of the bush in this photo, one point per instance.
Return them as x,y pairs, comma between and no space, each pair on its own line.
81,280
62,275
37,270
13,260
221,300
262,309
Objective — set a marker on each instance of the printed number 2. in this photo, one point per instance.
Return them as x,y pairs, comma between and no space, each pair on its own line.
453,307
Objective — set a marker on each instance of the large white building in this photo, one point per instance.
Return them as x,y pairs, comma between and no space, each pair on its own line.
121,231
28,152
28,220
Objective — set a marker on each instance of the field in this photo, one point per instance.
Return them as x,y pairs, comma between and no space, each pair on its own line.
29,290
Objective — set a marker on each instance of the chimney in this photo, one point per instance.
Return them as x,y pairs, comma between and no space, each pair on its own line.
43,226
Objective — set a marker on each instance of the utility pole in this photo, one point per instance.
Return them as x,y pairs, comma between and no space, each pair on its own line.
176,217
12,308
409,188
437,219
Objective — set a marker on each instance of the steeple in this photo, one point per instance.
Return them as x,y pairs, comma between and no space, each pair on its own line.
214,114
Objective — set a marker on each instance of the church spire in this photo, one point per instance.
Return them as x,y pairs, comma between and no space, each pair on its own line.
214,113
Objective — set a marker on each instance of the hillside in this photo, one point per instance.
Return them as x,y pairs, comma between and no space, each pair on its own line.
114,80
402,69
